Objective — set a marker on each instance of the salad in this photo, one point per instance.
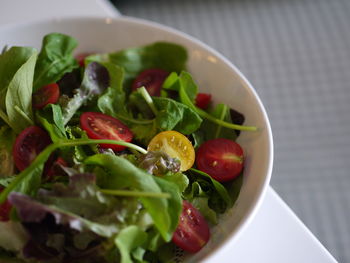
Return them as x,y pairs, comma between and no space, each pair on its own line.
112,157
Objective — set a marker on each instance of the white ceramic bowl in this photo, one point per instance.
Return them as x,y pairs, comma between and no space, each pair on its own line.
213,73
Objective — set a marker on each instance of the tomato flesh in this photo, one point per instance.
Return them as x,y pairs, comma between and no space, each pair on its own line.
192,232
151,79
176,145
5,209
221,158
203,100
101,126
48,94
80,58
29,143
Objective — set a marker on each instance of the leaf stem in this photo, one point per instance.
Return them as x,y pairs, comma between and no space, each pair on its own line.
134,193
222,116
148,99
186,100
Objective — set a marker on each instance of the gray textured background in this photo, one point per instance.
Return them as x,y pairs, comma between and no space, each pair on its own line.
297,55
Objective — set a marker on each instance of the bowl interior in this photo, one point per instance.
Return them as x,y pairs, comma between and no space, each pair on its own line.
213,73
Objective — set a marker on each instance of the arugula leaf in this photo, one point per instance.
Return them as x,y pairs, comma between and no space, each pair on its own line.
51,119
55,59
95,81
7,138
164,55
179,179
124,174
10,62
219,199
18,98
128,240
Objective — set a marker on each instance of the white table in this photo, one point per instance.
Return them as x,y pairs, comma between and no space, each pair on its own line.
275,235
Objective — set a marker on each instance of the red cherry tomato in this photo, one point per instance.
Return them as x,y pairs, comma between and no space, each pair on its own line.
81,58
101,126
46,95
192,233
5,209
221,158
203,100
151,79
29,143
54,169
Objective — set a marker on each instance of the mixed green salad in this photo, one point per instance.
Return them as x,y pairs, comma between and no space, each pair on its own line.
112,157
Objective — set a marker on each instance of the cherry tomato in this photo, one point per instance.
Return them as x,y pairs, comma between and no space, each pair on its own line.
46,95
192,233
176,145
5,209
101,126
81,58
151,79
29,143
203,100
54,169
221,158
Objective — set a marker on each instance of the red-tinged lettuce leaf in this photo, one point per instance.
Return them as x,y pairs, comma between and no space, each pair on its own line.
71,222
95,80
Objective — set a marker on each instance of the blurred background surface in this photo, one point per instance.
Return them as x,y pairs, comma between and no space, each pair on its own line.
296,53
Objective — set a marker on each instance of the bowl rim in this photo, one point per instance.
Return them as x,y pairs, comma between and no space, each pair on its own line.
107,20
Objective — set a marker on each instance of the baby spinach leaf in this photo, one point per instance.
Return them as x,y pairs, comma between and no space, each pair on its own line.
10,62
179,179
128,240
124,174
55,59
18,98
173,115
95,81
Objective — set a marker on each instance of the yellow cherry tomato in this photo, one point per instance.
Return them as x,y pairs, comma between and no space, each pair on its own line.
176,145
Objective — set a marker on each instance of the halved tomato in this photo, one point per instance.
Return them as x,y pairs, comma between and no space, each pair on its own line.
221,158
192,232
5,209
176,145
101,126
29,143
203,100
151,79
48,94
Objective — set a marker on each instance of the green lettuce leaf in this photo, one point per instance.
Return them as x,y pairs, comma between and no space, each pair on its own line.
95,81
55,59
128,240
124,175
